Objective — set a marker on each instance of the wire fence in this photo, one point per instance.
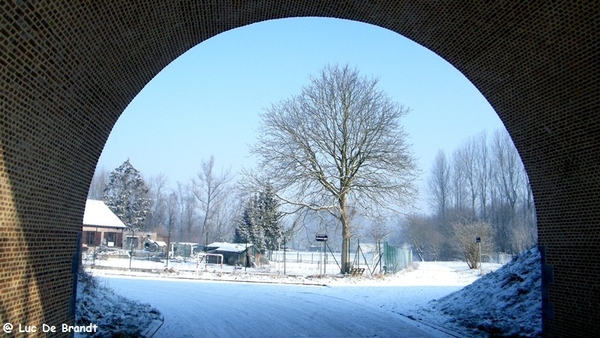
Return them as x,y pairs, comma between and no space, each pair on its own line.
387,259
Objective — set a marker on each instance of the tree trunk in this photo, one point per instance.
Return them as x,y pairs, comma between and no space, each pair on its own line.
345,268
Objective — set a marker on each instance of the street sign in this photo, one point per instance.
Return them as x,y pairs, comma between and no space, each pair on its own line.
478,239
321,238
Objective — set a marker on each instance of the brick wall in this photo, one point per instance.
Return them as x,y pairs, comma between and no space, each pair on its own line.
68,69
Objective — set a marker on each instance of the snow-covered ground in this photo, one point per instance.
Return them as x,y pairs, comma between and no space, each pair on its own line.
100,305
225,309
505,303
433,295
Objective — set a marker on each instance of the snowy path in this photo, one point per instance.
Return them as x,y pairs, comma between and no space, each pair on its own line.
221,309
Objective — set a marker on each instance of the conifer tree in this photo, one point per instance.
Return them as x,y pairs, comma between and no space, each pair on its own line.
270,218
242,229
260,222
127,195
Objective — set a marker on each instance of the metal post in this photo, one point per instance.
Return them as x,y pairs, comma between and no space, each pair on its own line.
478,240
480,264
357,249
320,259
206,252
379,254
131,248
96,247
284,256
324,259
168,246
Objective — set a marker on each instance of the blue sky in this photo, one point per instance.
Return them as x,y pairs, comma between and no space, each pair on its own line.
207,101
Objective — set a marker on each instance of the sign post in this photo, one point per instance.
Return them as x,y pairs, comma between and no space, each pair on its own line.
323,238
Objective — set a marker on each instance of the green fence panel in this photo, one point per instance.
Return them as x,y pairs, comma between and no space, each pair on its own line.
396,259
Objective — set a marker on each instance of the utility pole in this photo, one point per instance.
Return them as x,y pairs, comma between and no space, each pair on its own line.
478,240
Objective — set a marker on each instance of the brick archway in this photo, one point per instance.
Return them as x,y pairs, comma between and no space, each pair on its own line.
69,69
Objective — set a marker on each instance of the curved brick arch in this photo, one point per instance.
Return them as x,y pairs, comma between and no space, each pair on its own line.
68,70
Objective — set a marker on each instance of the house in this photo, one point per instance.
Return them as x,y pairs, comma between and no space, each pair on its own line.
234,253
101,226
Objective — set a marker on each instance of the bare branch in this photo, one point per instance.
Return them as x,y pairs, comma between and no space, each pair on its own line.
338,143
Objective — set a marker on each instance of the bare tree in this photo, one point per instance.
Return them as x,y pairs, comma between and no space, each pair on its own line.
483,174
158,196
98,184
171,213
495,189
465,158
416,231
424,236
439,186
457,184
466,234
187,213
338,144
508,179
527,217
437,244
378,229
211,190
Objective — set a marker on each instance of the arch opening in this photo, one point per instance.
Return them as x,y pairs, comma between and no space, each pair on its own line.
441,94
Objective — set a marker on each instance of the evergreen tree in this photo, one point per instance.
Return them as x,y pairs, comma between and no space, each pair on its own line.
242,229
270,218
260,222
127,195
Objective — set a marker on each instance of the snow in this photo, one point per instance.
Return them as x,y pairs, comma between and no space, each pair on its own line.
229,247
99,305
504,303
438,299
98,214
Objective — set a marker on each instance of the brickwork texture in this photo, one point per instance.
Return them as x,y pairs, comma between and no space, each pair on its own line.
68,69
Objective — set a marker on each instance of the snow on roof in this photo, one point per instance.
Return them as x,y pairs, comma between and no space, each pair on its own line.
159,243
229,247
98,214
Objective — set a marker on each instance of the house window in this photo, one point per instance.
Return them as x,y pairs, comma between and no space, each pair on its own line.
89,237
111,238
131,240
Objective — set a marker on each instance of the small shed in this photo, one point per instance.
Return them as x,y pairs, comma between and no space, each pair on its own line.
153,245
101,226
243,254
